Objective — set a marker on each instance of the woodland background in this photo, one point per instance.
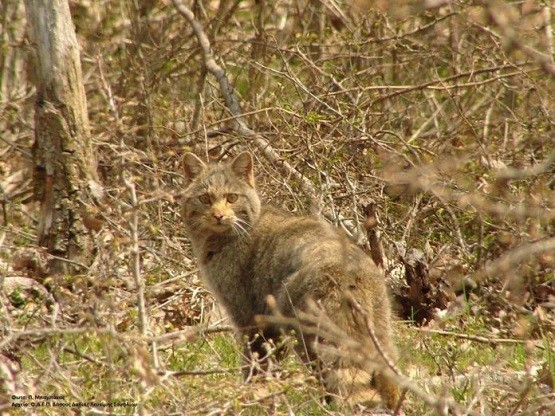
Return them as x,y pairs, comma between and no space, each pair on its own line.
425,126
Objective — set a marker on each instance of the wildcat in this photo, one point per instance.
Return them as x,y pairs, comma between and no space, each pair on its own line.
257,259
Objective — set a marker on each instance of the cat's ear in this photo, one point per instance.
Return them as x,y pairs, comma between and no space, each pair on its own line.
242,166
192,166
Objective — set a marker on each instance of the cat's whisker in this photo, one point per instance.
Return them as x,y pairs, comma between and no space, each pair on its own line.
239,230
244,223
241,227
195,224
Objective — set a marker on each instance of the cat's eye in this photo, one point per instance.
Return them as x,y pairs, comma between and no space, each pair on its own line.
204,199
231,198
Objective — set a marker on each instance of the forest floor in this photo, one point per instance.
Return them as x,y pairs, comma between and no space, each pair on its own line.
76,341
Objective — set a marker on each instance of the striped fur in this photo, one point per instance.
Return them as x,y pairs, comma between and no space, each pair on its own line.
247,251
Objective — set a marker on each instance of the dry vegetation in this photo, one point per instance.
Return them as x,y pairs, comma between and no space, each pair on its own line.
445,118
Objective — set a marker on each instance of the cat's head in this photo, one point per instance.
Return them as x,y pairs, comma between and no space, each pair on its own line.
220,197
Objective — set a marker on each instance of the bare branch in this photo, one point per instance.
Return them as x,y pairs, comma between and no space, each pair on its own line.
514,257
501,14
232,103
476,338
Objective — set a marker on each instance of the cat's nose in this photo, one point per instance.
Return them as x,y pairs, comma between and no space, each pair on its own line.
218,216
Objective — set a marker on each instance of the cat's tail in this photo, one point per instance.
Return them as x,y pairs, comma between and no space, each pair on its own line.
356,360
345,334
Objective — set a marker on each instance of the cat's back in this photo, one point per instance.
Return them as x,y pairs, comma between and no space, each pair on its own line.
288,241
278,225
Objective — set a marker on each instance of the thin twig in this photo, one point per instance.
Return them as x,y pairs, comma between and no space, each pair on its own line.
513,258
45,332
136,259
475,338
189,334
500,13
136,269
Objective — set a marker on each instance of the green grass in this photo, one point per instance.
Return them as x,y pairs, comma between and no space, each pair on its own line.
100,367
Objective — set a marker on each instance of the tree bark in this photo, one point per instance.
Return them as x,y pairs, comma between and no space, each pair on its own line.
65,169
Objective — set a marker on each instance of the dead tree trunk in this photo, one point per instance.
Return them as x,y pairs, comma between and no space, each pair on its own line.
65,170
